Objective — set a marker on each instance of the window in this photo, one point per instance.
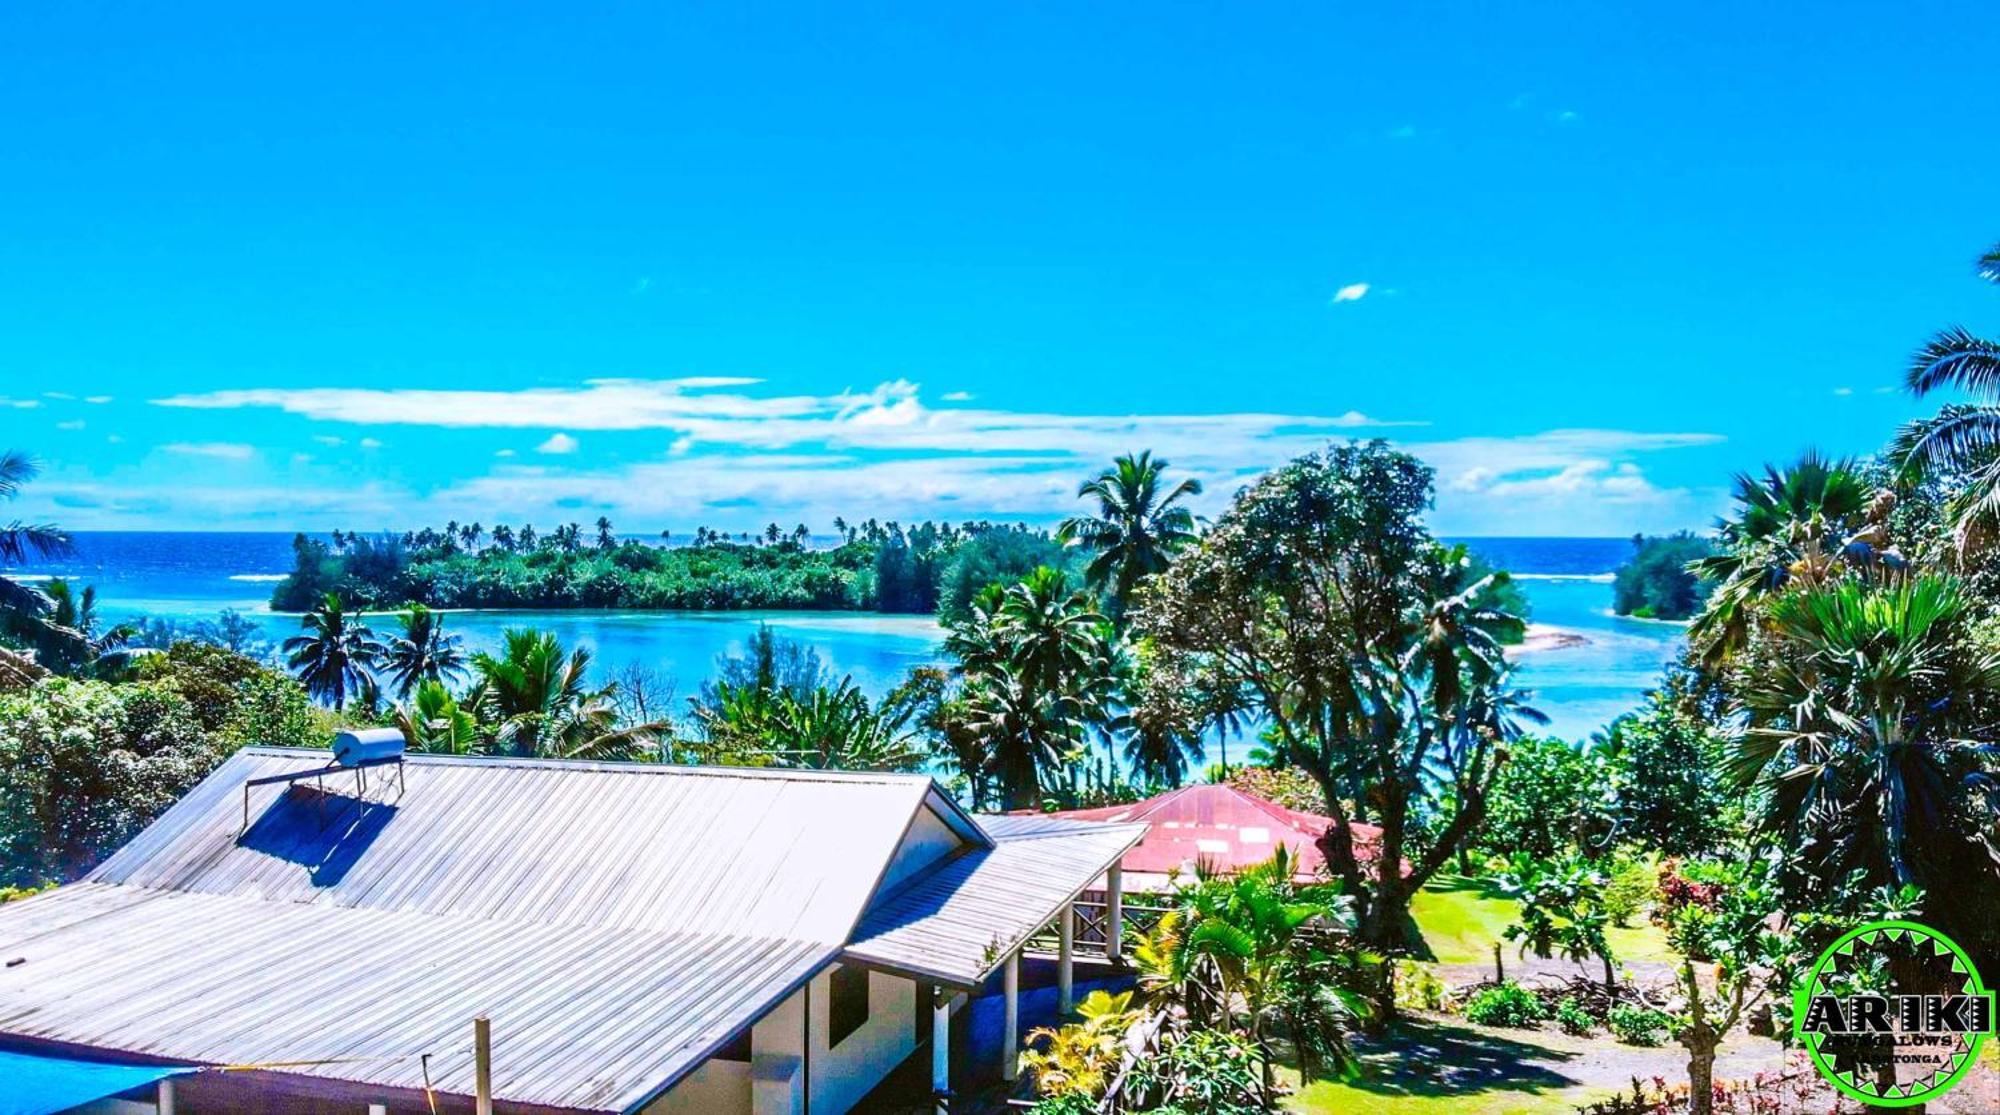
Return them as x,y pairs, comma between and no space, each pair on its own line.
847,1003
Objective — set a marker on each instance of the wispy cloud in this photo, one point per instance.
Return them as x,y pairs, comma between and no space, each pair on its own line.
72,424
1406,131
215,450
956,397
19,404
1843,392
1352,292
557,444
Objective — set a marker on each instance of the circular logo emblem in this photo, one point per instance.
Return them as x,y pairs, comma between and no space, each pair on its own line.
1893,1014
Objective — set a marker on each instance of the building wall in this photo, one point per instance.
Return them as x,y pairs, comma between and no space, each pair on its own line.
928,840
841,1075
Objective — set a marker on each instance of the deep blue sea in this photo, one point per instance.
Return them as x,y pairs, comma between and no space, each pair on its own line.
192,577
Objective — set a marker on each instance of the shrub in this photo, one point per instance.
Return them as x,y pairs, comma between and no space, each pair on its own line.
1203,1071
1506,1004
1419,988
1573,1019
1638,1025
1631,885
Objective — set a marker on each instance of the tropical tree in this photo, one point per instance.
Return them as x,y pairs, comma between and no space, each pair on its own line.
336,656
831,728
1036,665
1962,440
1139,524
73,639
1367,648
539,701
434,721
1869,729
1798,527
24,609
421,652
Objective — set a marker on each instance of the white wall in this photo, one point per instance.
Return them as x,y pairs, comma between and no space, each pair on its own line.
840,1075
928,840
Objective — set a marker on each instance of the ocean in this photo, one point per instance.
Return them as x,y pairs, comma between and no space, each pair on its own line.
192,577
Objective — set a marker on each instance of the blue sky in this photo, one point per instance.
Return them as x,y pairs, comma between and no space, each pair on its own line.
723,265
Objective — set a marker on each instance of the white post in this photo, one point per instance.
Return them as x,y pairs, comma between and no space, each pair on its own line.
1065,952
1010,1036
1114,913
378,1109
941,1050
166,1104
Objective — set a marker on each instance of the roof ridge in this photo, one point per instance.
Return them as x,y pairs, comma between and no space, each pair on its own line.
614,766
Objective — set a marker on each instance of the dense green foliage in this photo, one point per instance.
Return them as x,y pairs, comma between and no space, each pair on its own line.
924,568
85,764
1657,583
1320,601
1549,797
1506,1004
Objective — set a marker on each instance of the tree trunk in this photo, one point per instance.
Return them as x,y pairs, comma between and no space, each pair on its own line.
1701,1079
1610,978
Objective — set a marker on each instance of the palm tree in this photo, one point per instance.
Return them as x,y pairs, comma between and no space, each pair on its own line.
1797,527
1138,526
73,640
1869,732
24,610
1962,440
434,721
336,656
829,728
543,705
422,652
1037,664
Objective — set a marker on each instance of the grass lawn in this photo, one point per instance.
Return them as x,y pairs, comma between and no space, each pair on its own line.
1428,1066
1431,1066
1461,918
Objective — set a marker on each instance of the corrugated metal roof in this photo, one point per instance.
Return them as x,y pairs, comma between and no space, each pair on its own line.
1221,825
592,1018
791,854
956,924
618,922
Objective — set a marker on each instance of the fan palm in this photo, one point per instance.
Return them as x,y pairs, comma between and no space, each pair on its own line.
831,728
1962,440
421,652
1797,527
1139,524
1869,730
541,700
335,658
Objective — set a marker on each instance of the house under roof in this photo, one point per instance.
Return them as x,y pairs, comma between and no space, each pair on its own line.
619,923
1216,824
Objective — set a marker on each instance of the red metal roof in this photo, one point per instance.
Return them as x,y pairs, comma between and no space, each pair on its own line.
1224,826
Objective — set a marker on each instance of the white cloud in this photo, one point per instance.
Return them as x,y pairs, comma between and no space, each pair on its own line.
20,404
216,450
557,443
97,400
1567,116
503,453
1352,292
956,397
61,395
72,424
329,440
1843,391
369,443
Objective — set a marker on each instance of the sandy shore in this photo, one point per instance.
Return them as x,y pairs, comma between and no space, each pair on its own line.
1543,637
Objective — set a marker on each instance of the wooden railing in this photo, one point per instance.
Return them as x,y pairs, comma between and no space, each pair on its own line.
1093,919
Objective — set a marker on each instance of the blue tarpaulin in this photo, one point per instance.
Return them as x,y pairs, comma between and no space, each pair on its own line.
36,1085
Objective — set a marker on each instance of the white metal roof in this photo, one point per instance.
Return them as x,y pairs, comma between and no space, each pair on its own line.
956,924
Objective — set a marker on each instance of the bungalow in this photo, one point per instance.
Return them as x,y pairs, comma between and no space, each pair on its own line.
316,937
